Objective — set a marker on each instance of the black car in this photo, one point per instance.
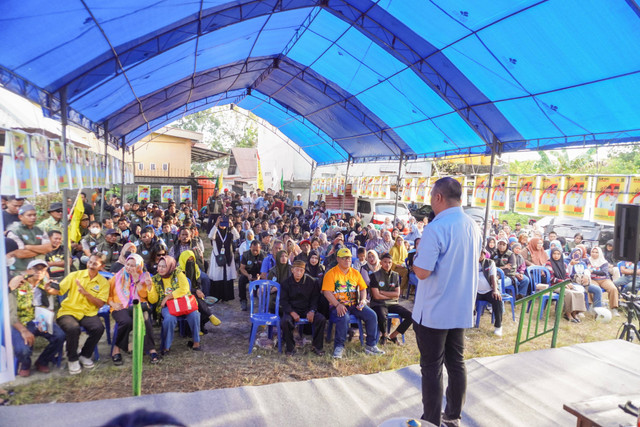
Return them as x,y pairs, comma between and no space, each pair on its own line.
593,233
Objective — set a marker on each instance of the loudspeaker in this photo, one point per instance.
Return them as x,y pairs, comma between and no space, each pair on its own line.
626,237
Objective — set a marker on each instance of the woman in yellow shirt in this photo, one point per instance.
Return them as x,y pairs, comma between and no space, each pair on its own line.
168,284
399,254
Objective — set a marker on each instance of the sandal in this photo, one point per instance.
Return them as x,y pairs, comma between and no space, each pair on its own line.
117,359
154,358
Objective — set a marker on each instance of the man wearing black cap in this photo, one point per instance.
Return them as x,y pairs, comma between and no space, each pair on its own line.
54,222
32,241
141,217
110,248
10,215
299,300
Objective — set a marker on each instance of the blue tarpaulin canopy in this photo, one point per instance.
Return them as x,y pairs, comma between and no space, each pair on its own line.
355,79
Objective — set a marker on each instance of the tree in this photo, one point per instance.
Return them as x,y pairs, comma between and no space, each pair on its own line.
558,162
623,160
222,128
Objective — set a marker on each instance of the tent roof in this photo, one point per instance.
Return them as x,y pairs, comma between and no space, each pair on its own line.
361,79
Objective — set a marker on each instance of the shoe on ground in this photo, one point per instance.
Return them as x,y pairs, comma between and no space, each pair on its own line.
42,368
450,423
86,362
243,305
615,312
214,320
196,348
373,350
117,359
24,372
318,351
154,358
74,368
290,352
498,331
337,352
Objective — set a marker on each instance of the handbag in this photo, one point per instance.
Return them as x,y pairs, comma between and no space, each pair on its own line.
182,306
221,260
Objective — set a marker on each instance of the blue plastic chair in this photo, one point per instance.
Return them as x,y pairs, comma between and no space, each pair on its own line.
535,274
261,315
481,305
390,317
353,320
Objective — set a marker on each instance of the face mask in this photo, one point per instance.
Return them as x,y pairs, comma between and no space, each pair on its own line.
272,232
94,230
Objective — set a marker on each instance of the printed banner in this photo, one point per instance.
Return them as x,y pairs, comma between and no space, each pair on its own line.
375,192
499,196
609,191
431,182
57,154
575,199
550,195
480,191
421,190
41,153
22,161
144,193
526,195
167,193
341,186
407,193
634,190
185,193
385,187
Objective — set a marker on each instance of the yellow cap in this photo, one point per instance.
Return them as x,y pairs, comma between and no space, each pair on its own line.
344,253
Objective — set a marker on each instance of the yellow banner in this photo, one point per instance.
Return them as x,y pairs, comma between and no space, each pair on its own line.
526,193
575,199
499,193
550,195
144,193
421,191
260,179
480,191
609,191
407,190
634,190
166,193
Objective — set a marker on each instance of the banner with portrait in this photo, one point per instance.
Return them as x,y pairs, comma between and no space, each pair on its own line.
499,194
526,194
575,199
463,183
407,190
40,150
421,190
551,193
480,191
385,187
185,193
166,192
341,186
24,172
56,149
634,190
431,182
609,192
144,193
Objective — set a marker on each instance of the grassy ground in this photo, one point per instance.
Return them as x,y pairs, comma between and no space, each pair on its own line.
225,363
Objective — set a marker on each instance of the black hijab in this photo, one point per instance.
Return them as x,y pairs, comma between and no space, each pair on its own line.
314,270
559,269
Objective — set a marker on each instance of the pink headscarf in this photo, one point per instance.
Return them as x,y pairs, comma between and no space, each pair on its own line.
126,287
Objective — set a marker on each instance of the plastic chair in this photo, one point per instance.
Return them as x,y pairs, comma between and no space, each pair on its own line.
535,274
390,317
353,320
262,316
300,324
481,305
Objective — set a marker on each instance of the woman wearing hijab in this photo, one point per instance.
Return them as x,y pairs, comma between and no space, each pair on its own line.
222,266
573,293
187,264
314,267
387,243
130,283
535,254
491,247
282,270
577,269
168,284
373,241
127,249
599,268
371,266
399,255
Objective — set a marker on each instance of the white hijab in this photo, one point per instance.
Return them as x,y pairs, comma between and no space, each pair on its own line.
597,262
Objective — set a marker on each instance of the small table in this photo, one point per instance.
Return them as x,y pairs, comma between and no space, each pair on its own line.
603,411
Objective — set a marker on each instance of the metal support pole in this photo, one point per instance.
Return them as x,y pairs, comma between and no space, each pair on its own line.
103,192
123,149
395,208
344,196
65,205
313,169
485,230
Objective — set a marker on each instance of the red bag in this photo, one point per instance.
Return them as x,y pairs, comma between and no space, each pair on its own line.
182,306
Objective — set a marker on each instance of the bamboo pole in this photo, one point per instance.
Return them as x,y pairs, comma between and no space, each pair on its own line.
138,348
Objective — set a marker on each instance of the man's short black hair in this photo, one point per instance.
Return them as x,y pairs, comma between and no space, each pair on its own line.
256,243
449,188
50,233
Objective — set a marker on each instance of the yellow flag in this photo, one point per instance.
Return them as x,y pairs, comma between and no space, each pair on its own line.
260,179
74,226
220,182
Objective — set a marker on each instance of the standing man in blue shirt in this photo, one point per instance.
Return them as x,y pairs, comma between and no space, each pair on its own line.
447,266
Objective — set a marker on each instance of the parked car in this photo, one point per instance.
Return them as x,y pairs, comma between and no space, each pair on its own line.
593,233
477,214
376,210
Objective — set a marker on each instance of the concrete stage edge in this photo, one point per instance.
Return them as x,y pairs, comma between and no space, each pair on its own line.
525,389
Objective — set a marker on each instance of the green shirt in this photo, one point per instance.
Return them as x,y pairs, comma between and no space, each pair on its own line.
23,235
386,282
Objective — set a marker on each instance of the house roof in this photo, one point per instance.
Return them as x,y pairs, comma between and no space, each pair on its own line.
247,161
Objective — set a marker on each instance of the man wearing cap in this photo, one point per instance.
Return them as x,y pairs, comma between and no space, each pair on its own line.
249,270
345,290
305,247
506,260
86,291
110,248
26,293
11,214
32,241
299,300
54,222
141,217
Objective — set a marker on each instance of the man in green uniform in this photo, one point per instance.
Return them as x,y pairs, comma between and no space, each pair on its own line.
32,241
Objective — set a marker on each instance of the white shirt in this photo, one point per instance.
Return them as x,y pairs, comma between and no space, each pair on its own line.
450,249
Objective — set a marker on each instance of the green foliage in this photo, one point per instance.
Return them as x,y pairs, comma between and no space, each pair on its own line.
556,162
222,129
513,218
624,160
